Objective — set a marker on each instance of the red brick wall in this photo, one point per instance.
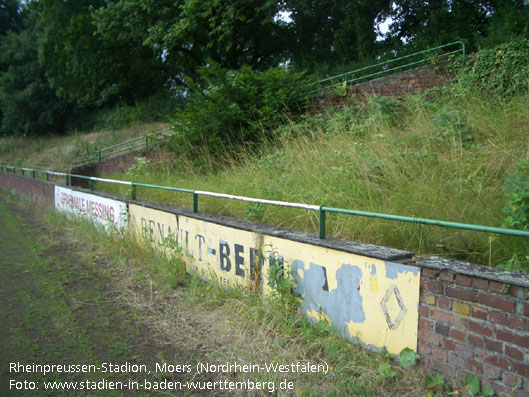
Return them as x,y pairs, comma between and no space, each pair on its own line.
394,85
34,189
469,324
408,82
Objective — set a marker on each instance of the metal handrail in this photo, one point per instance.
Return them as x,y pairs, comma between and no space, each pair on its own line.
344,77
322,210
100,154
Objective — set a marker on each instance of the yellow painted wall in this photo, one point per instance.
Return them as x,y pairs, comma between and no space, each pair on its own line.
367,300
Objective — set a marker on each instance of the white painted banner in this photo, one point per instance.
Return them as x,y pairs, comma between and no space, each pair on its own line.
99,209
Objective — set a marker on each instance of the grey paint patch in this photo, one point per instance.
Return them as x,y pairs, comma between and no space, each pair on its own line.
342,305
394,269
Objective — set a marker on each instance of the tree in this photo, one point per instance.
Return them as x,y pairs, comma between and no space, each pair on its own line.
93,67
10,17
27,102
333,31
423,24
10,21
509,21
189,34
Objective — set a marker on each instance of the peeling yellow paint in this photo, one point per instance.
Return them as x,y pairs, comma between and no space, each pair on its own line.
373,284
362,297
375,330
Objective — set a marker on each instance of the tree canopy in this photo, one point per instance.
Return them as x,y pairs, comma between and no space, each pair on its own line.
95,54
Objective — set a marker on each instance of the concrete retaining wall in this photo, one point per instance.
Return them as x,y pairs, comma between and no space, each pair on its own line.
360,289
462,318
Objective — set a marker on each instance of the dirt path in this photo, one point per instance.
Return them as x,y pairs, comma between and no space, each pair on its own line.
60,305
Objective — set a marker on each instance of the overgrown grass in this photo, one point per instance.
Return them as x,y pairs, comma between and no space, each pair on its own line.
56,153
445,158
227,325
442,155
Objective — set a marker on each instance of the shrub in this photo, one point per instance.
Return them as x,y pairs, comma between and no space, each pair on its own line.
501,71
238,107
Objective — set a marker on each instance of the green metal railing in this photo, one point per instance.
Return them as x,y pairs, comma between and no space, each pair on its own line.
322,210
371,72
142,141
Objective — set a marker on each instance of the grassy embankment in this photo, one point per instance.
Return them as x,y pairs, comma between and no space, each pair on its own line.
56,153
445,159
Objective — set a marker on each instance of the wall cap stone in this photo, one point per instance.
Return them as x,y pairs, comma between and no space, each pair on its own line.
369,250
471,269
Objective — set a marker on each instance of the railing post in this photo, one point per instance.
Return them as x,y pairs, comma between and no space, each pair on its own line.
47,176
33,173
100,156
133,192
146,141
67,179
321,224
22,171
91,185
195,202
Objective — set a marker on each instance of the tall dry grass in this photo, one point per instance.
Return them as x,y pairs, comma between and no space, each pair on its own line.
445,159
56,152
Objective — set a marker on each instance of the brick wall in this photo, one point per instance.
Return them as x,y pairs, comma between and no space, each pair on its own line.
408,82
476,322
117,164
34,189
394,85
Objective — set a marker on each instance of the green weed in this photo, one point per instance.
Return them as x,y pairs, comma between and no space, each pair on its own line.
472,385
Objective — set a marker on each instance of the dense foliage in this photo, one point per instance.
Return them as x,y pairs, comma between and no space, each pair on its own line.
62,58
28,103
238,107
501,71
517,187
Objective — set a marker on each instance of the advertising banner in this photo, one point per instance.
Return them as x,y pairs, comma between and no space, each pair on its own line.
108,212
370,301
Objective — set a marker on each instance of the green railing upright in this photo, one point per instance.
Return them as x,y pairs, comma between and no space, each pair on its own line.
387,67
143,141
